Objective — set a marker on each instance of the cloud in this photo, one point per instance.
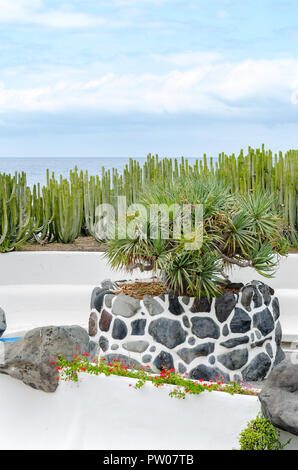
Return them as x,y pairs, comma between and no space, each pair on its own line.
216,88
35,12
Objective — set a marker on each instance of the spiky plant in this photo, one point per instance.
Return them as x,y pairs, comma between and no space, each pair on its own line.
237,230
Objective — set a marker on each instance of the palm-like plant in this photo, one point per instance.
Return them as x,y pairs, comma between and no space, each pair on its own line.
237,230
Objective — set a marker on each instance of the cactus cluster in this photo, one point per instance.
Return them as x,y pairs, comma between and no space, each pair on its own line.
64,208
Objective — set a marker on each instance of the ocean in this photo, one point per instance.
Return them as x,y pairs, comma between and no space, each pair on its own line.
35,168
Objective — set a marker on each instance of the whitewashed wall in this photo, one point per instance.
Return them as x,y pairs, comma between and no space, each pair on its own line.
42,288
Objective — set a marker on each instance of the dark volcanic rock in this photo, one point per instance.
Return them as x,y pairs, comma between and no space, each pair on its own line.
240,322
97,301
186,321
224,306
174,305
164,360
233,342
201,305
204,327
103,343
263,321
225,330
138,327
167,332
2,322
30,358
257,368
250,293
279,356
278,333
266,292
275,308
208,373
235,359
119,329
278,397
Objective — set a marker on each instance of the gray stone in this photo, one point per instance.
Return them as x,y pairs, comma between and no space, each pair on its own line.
250,293
189,354
269,351
208,373
119,329
108,285
138,327
93,349
266,292
152,305
174,305
2,322
201,305
30,358
103,343
252,337
275,308
162,297
225,330
233,342
114,347
257,368
136,346
278,333
204,327
109,300
258,334
167,332
240,322
185,300
279,357
105,320
92,324
125,360
211,360
181,368
163,360
97,302
235,359
278,397
191,340
263,321
152,349
146,358
186,321
260,343
125,306
224,305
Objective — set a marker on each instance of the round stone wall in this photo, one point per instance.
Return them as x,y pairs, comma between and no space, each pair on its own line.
236,336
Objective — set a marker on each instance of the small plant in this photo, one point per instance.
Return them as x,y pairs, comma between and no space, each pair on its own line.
69,370
260,434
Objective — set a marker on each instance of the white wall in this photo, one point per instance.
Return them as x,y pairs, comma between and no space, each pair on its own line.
42,288
105,413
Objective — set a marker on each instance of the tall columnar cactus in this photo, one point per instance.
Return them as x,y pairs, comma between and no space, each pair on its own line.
17,223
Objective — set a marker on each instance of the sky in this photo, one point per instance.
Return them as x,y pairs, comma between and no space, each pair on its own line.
122,78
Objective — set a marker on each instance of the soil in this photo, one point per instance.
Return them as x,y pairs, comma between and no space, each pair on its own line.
140,288
80,244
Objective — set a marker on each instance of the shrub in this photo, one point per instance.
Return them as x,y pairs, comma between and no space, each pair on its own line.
260,434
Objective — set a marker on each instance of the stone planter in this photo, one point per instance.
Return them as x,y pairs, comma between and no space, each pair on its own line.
236,336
